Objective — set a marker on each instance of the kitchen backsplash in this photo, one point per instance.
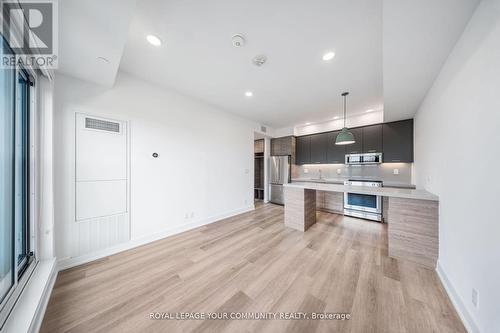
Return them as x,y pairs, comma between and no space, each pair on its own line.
385,172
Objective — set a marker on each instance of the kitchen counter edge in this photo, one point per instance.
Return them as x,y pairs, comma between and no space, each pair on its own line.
382,191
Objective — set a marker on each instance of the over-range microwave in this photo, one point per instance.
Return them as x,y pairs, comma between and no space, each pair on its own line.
368,158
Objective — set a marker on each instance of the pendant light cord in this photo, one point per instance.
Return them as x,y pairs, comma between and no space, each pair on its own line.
345,102
344,108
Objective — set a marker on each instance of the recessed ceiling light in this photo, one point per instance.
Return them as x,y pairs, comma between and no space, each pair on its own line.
248,94
336,117
308,123
102,59
153,40
328,56
369,110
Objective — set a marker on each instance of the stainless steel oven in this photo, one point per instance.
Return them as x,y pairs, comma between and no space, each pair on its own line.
366,206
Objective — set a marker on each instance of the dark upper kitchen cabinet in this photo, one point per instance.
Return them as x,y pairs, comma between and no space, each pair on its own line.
394,140
357,147
319,146
303,145
335,154
398,141
372,139
283,146
277,147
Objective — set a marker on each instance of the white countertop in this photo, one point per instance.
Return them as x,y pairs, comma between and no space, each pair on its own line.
322,180
382,191
341,181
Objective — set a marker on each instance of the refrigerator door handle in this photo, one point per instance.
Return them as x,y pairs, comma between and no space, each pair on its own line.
279,171
274,174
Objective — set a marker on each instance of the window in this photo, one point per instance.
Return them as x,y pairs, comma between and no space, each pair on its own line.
22,187
7,121
16,223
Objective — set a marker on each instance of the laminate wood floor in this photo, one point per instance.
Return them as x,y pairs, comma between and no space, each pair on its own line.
253,263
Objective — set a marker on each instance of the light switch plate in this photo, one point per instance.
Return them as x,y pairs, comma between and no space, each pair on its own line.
339,171
306,170
396,171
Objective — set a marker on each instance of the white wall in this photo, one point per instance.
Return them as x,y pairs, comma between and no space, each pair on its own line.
205,164
457,157
356,120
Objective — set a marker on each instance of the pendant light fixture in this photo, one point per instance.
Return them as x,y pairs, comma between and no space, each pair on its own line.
345,137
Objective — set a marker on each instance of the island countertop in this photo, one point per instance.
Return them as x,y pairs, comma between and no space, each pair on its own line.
382,191
341,181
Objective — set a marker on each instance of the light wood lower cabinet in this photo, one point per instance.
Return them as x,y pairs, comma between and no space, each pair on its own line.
330,201
320,200
385,208
413,224
414,230
300,208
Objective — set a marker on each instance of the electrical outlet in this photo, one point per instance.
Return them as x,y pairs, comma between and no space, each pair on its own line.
186,216
339,171
306,170
192,214
395,171
475,298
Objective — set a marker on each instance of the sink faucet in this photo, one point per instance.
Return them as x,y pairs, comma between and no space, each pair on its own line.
320,174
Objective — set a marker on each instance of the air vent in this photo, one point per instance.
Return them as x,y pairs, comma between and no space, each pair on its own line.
102,125
263,129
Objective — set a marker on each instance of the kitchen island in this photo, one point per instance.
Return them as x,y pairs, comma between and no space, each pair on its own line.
341,180
412,216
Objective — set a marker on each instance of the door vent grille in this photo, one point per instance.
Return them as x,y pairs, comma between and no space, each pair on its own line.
263,129
102,125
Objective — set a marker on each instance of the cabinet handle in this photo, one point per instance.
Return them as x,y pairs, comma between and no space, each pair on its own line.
372,151
395,160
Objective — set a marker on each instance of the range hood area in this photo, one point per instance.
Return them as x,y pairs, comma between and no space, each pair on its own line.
367,158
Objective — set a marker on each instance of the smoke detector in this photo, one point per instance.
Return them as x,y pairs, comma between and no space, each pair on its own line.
259,60
238,40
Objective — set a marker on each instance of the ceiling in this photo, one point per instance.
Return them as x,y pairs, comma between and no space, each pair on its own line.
418,37
294,86
86,32
385,64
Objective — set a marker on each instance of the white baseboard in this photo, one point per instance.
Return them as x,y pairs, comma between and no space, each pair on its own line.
66,263
36,324
467,319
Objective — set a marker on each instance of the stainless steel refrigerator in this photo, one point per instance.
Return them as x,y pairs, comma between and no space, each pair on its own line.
280,174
